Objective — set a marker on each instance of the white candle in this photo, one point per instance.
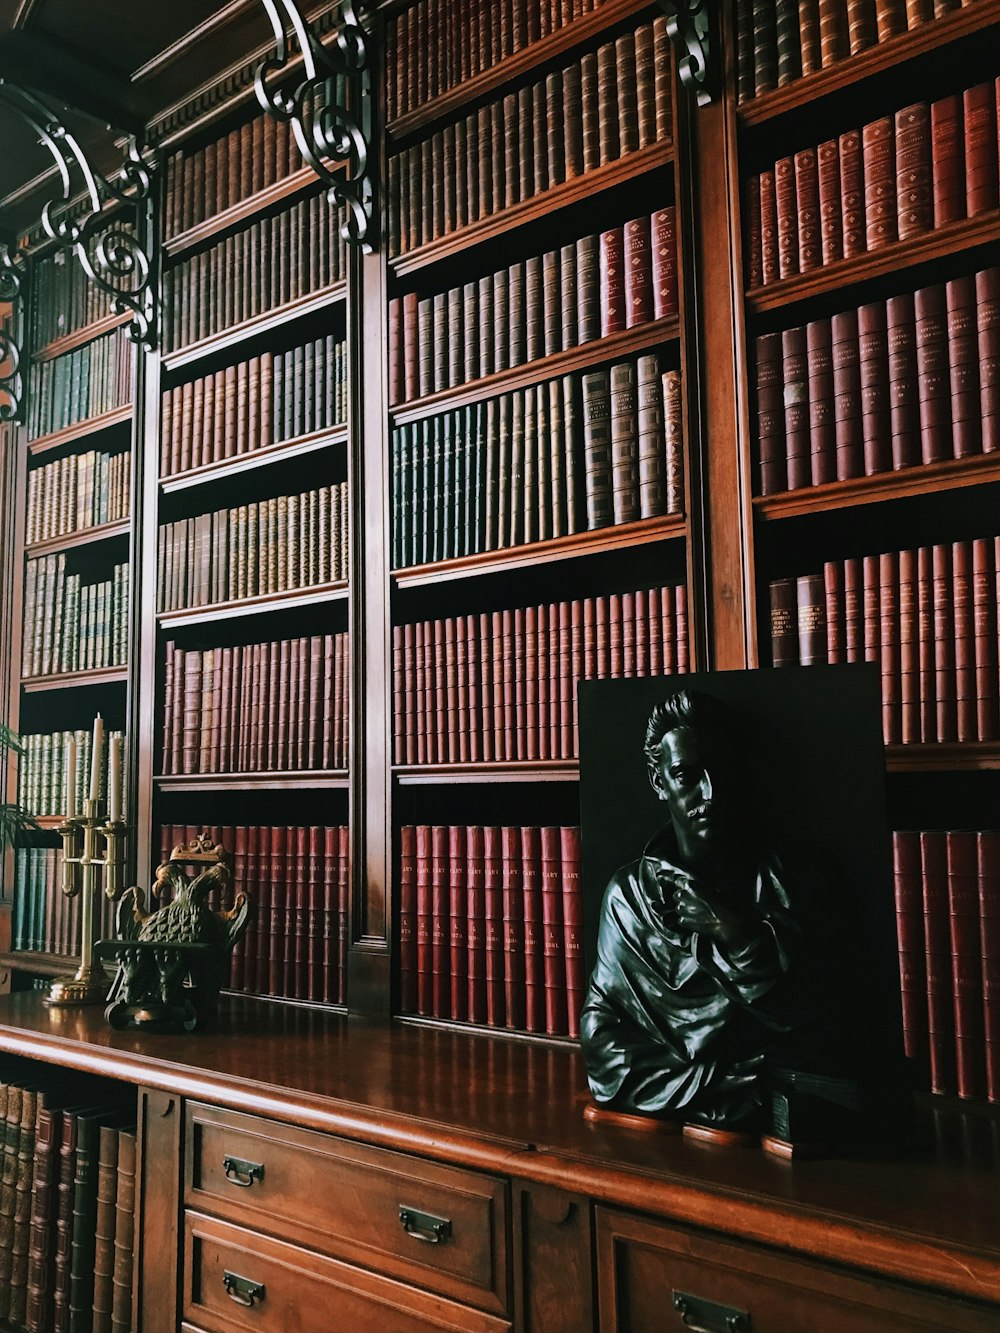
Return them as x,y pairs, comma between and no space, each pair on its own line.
95,759
114,776
71,777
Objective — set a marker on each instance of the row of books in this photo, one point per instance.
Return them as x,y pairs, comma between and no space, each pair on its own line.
272,397
263,707
896,178
250,158
287,542
501,686
927,616
297,880
778,41
70,625
573,454
64,299
598,285
914,379
84,383
947,885
79,491
273,261
490,925
41,771
43,919
67,1207
456,43
609,103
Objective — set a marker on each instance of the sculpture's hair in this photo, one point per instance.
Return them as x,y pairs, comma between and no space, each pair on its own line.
686,708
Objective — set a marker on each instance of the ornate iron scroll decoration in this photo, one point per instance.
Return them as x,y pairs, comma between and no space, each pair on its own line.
110,256
329,128
687,28
12,274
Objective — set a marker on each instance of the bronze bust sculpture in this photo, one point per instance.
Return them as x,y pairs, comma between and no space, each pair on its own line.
711,987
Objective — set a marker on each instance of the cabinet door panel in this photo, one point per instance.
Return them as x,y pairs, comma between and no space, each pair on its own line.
297,1291
645,1269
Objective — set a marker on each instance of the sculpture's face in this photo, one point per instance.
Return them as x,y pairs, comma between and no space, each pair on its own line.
687,784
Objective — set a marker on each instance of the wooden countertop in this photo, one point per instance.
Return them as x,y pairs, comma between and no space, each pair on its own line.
515,1108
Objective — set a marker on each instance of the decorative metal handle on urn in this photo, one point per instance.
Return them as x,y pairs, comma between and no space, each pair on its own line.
424,1226
702,1316
242,1290
242,1173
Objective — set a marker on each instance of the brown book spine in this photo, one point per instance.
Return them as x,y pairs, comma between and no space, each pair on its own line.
984,625
988,861
423,920
852,193
904,405
963,365
810,600
909,649
638,272
612,279
554,947
493,907
810,241
458,911
822,424
944,645
476,923
768,228
964,640
847,394
784,623
947,160
874,375
912,948
981,163
770,415
104,1250
787,213
966,962
754,258
795,393
932,373
879,153
121,1313
889,650
914,202
988,328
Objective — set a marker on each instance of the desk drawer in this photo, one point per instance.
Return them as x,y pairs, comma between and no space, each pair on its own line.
273,1287
347,1200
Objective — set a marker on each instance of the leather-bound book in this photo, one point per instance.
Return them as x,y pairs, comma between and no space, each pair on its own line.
795,395
281,891
988,861
627,104
315,923
765,48
440,925
852,193
652,440
820,395
966,962
984,626
808,209
33,1095
914,201
981,163
612,281
904,406
552,289
554,944
784,623
513,926
878,143
944,644
771,414
787,217
744,50
607,104
890,18
908,888
663,227
662,88
104,1249
458,923
874,372
836,629
10,1105
788,58
84,1215
493,899
638,272
567,300
947,159
890,652
810,602
572,911
121,1313
534,975
588,290
847,394
645,85
673,429
833,36
624,443
475,936
572,124
41,1227
809,46
937,936
590,111
597,448
933,381
965,641
925,645
854,611
424,914
753,256
909,650
870,604
988,325
860,24
963,365
768,228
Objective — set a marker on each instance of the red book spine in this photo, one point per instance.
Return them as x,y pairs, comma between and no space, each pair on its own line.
847,394
513,927
795,393
440,927
786,206
944,645
909,669
316,921
984,628
425,992
755,270
904,402
889,647
612,263
925,645
278,942
988,326
807,197
343,909
297,979
458,905
947,160
932,373
262,966
822,424
852,193
937,936
963,365
914,205
493,898
771,415
879,152
664,253
638,272
768,228
833,587
981,164
408,919
964,641
554,948
874,373
475,871
988,848
966,962
912,947
534,971
572,905
831,222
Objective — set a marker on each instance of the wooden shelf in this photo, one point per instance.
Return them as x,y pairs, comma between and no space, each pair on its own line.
943,757
279,452
79,430
484,1029
925,479
252,606
503,221
67,680
856,69
69,342
42,964
251,328
326,779
513,66
626,343
100,532
539,553
48,823
284,190
951,239
541,770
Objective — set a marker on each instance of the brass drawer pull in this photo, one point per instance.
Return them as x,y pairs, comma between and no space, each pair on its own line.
702,1316
242,1173
242,1290
424,1226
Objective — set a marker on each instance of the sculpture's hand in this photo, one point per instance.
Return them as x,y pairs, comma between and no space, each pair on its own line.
703,911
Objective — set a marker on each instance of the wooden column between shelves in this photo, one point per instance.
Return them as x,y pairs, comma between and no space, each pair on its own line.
13,506
156,1272
727,530
369,978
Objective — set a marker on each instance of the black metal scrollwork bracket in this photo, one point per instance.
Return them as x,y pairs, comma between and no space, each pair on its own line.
12,276
329,109
111,256
687,28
